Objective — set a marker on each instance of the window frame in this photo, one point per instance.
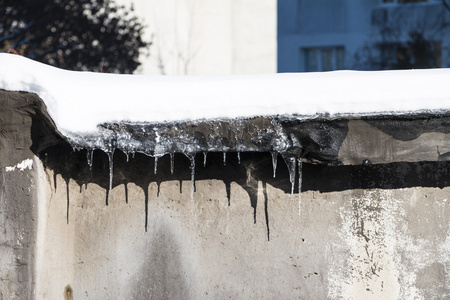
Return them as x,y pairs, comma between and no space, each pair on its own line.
319,63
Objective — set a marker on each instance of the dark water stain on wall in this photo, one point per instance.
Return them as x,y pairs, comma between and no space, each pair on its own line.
410,127
162,275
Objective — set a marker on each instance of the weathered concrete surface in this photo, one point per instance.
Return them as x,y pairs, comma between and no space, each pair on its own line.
354,244
365,141
377,231
18,201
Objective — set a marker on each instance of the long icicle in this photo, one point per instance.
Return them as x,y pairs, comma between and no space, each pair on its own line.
156,165
192,176
300,178
191,157
90,157
205,154
111,167
171,162
274,162
292,165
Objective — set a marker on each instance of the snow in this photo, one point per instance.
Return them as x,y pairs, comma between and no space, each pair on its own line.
79,101
25,164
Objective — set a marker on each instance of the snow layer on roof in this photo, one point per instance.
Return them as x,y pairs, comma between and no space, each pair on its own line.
79,101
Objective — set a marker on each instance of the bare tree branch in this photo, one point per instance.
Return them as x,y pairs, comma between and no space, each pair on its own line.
446,5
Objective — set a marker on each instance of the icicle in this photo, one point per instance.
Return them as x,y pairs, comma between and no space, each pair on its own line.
300,178
90,157
68,200
191,157
128,156
204,159
110,158
156,165
274,162
291,164
239,157
224,158
171,162
132,154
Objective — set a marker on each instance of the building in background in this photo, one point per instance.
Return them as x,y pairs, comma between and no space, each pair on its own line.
208,37
325,35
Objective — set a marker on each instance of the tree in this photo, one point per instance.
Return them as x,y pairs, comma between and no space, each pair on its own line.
414,53
87,35
446,5
417,53
402,41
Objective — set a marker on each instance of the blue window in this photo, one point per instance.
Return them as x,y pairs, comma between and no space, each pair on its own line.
320,59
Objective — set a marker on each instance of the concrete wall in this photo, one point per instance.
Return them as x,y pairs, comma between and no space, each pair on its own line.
18,197
377,231
372,244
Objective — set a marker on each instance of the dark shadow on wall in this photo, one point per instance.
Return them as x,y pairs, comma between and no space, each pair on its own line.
254,167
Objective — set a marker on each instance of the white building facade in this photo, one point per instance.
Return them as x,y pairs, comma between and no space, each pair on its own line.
325,35
208,37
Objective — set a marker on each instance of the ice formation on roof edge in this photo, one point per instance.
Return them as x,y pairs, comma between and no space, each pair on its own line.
190,138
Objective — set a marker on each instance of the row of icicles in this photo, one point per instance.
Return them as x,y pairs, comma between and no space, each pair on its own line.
293,164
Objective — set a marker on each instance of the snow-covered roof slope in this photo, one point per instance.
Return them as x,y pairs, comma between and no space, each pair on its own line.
79,101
